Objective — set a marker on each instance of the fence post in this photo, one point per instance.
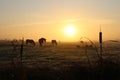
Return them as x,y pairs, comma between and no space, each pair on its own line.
21,50
101,51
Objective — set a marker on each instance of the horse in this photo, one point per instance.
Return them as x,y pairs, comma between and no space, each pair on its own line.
54,42
15,44
41,41
30,41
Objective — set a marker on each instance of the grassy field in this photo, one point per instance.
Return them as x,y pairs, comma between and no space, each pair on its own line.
66,61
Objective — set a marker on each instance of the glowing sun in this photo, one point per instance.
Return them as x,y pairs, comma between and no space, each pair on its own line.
70,30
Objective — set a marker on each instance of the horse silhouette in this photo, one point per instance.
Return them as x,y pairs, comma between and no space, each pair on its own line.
14,44
41,41
54,42
30,41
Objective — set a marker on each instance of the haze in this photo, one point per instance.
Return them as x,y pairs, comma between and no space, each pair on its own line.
47,18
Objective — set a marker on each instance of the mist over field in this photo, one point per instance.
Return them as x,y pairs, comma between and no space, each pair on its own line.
59,40
66,61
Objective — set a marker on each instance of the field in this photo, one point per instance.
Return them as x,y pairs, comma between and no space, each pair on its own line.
66,61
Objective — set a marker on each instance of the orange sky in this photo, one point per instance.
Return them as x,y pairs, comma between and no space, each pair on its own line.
48,18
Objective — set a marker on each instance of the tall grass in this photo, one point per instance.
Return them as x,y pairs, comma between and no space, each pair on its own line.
64,69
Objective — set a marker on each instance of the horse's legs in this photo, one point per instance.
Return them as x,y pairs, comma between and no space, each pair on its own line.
40,44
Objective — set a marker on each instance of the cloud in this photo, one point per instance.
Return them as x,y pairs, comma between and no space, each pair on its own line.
97,21
104,21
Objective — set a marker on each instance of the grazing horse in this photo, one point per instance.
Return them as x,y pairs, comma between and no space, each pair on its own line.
30,41
14,44
41,41
54,42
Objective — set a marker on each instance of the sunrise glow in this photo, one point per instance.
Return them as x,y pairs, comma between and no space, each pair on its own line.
64,20
70,30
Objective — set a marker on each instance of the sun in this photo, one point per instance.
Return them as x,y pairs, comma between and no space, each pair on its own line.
70,30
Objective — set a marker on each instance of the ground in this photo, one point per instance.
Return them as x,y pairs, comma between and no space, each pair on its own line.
66,61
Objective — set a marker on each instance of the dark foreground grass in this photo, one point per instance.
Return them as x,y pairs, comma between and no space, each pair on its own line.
108,71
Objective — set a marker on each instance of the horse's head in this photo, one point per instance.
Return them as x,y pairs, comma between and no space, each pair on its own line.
42,40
